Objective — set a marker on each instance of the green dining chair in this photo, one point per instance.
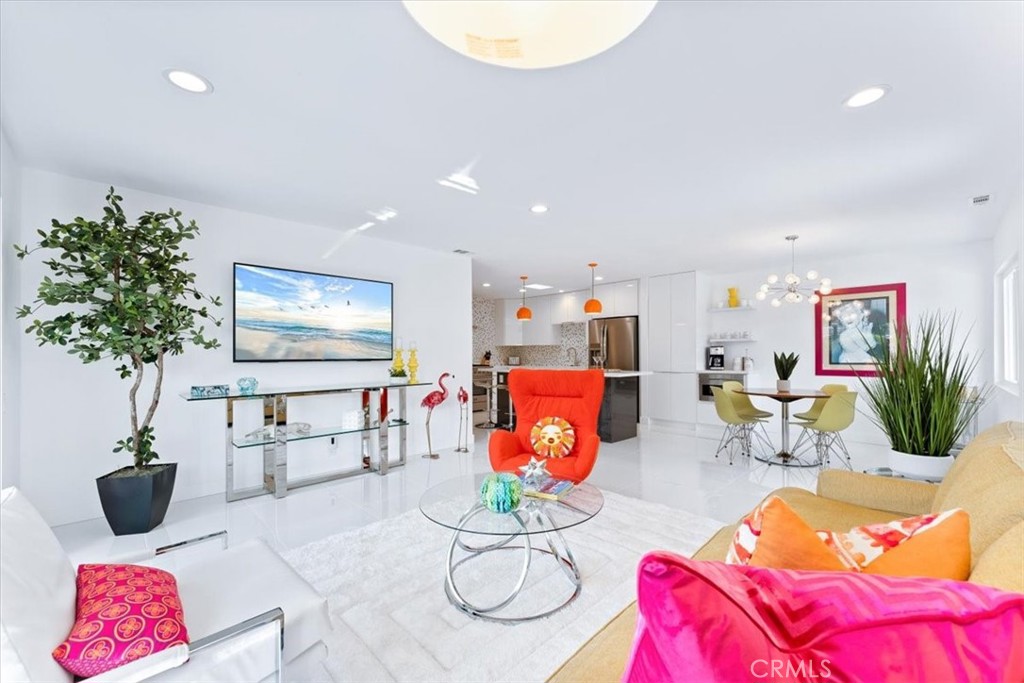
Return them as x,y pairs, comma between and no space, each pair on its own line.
737,428
826,432
812,413
745,408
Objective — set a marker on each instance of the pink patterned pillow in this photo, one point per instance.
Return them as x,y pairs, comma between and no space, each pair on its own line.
703,620
123,612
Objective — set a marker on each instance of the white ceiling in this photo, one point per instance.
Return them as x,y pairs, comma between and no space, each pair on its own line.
699,141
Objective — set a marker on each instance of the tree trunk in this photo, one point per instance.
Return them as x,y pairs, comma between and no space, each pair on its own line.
139,369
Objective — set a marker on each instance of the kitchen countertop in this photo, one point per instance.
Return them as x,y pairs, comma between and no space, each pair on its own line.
608,373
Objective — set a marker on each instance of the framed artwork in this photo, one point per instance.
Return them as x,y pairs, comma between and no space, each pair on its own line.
853,327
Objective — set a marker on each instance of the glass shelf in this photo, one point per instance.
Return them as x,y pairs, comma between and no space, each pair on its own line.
317,433
733,309
262,392
731,341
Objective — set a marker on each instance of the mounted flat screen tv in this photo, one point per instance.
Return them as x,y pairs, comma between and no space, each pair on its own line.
292,315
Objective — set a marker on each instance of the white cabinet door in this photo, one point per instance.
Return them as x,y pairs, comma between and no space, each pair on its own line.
659,323
510,330
660,393
574,306
625,295
539,330
684,397
568,308
683,296
606,295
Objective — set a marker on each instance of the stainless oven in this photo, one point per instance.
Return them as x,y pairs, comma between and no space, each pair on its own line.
706,380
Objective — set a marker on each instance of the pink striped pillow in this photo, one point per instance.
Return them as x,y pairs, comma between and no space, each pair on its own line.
123,612
712,621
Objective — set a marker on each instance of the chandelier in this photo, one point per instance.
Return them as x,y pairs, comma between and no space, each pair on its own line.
791,288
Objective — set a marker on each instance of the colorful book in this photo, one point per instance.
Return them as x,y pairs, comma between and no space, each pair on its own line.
550,489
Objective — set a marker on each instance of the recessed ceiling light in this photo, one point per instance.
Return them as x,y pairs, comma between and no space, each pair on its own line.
186,80
487,284
534,285
539,208
561,291
599,277
863,98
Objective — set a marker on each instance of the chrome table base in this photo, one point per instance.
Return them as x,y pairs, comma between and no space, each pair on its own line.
562,555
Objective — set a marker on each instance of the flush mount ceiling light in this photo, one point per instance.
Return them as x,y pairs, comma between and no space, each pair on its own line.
529,34
186,80
538,286
592,306
791,288
539,208
524,313
486,284
863,98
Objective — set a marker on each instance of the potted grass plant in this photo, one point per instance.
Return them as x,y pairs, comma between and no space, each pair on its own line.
922,397
398,376
119,291
785,364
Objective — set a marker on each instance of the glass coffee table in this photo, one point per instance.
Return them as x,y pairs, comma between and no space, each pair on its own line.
479,534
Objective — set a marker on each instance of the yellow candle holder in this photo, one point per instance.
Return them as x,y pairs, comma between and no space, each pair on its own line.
397,366
414,365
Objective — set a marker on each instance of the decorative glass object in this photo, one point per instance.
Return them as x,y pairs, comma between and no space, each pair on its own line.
247,385
501,492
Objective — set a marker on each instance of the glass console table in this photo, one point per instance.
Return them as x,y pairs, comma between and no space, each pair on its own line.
376,423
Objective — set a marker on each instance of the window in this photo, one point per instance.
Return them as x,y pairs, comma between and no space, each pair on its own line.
1008,325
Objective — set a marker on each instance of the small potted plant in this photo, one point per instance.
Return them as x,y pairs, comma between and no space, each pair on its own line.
398,375
121,293
785,364
922,398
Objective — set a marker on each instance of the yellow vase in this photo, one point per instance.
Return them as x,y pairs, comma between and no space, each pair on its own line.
414,366
734,297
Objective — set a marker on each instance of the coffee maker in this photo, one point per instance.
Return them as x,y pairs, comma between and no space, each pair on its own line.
716,358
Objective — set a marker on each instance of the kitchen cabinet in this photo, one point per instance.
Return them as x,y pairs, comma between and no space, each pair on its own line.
672,322
569,308
617,298
540,330
673,397
509,331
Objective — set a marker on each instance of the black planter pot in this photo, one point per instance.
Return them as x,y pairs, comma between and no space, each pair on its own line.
137,504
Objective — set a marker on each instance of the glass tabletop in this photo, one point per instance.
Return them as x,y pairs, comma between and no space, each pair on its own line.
448,502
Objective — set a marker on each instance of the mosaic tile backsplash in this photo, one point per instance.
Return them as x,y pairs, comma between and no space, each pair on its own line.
574,336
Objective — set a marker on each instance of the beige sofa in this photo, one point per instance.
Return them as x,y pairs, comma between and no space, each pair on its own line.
987,480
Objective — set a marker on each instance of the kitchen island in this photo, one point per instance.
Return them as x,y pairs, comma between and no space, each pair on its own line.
620,407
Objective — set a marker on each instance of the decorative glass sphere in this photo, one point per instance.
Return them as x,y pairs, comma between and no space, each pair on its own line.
501,492
825,289
826,282
792,279
814,298
760,296
812,275
797,297
765,288
773,278
776,302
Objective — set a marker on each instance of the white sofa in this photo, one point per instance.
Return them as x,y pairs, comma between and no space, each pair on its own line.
232,602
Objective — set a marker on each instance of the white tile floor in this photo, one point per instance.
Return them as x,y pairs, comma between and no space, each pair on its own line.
675,469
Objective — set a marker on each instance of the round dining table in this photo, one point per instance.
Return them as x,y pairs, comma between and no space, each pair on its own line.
784,457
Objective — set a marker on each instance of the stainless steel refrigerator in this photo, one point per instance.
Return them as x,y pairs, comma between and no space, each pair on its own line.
614,343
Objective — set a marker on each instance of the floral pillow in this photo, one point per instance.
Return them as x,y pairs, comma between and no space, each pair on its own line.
552,437
935,545
123,612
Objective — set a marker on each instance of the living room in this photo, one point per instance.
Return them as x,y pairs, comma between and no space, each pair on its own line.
327,148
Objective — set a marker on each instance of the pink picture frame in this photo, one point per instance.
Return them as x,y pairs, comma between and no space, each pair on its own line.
853,326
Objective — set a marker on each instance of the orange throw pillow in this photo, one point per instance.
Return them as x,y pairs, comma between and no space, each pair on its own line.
934,545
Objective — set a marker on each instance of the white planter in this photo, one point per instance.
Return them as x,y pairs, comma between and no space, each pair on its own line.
920,466
398,380
782,385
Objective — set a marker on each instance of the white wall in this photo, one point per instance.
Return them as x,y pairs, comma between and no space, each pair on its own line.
949,279
10,333
73,413
1007,243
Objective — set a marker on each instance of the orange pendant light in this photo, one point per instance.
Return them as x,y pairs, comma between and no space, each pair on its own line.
524,313
592,306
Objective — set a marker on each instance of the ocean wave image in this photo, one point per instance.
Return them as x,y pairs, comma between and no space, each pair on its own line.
292,315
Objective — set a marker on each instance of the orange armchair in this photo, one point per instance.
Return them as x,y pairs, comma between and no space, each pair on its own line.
573,395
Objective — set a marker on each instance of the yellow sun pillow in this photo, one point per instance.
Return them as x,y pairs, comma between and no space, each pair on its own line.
552,437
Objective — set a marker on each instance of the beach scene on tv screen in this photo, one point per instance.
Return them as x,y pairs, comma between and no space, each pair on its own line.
290,315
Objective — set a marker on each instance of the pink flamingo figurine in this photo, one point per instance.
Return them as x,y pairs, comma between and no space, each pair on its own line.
463,420
431,401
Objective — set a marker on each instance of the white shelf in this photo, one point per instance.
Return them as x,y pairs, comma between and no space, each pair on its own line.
731,341
726,309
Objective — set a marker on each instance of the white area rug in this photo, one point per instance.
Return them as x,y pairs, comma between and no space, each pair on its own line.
385,588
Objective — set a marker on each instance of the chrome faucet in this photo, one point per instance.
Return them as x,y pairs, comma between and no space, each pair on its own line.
573,356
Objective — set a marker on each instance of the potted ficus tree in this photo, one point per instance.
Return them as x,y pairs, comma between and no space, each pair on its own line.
785,364
922,398
121,292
